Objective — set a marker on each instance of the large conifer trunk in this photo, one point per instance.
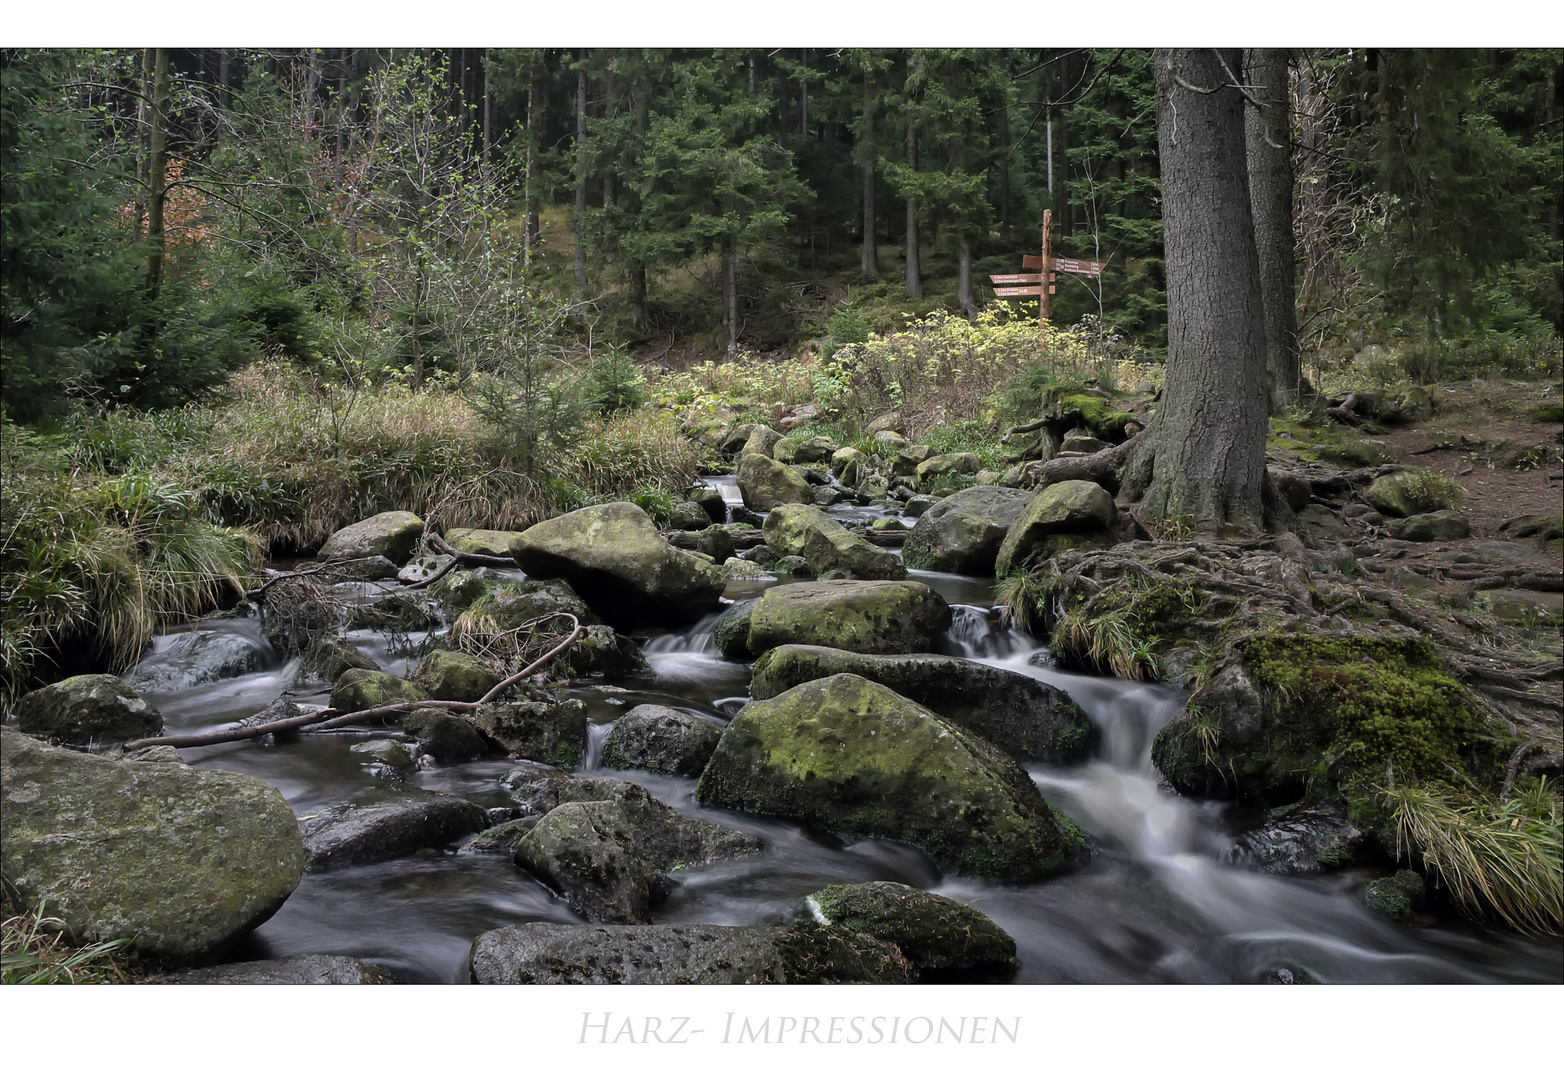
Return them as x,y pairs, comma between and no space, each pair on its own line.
1269,138
1204,452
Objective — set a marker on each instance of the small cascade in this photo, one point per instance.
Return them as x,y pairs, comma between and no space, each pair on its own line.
697,640
976,633
727,487
592,754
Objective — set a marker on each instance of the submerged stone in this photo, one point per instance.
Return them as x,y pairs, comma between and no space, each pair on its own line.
378,827
311,969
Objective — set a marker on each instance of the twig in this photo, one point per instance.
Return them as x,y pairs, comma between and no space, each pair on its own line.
1515,763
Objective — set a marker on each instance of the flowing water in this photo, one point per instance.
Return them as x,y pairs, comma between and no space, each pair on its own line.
1157,903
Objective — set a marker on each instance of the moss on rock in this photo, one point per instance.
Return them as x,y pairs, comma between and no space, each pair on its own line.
859,616
940,938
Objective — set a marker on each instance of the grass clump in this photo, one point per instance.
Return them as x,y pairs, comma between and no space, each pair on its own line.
34,951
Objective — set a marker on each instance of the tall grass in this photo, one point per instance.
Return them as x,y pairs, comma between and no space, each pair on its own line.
1500,860
34,951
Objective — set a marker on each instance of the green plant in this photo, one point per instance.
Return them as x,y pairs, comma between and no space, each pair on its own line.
1105,642
34,952
616,382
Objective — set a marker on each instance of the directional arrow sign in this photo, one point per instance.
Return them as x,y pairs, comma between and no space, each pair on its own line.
1016,279
1032,262
1078,266
1021,290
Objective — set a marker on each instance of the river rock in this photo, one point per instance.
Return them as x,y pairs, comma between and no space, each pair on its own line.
765,483
391,753
711,501
852,756
546,953
826,545
1071,507
662,740
615,560
1306,840
398,611
445,736
860,616
1439,525
392,535
549,731
421,569
457,590
183,860
819,448
943,941
329,656
610,859
964,462
201,656
87,710
731,632
1395,897
374,568
962,534
688,515
908,458
311,969
603,652
850,466
358,688
381,826
454,676
512,603
1028,718
495,543
762,441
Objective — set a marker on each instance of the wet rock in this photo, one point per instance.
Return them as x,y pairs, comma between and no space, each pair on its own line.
454,676
1028,718
201,656
942,940
930,467
551,732
716,542
445,736
422,569
534,787
514,603
762,441
615,560
794,565
850,466
1072,508
330,656
311,969
357,689
711,501
743,570
731,632
610,859
457,590
825,545
378,827
395,611
766,483
1299,841
86,710
963,533
859,616
919,505
662,740
388,752
603,652
391,535
688,515
501,839
1395,897
1439,525
183,860
874,488
495,543
850,755
829,496
374,568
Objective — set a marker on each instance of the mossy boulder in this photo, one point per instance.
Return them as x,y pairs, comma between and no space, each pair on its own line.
762,441
183,860
1395,897
610,859
359,688
942,940
615,560
86,710
1424,528
1404,494
962,534
391,753
387,824
819,448
965,462
553,732
1028,718
603,652
688,515
765,483
445,736
710,500
662,740
424,567
908,458
859,616
1296,712
1299,840
391,535
826,546
850,466
457,590
1076,508
510,604
731,632
850,755
454,676
495,543
330,656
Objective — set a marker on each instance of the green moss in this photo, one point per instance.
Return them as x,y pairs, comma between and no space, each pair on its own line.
1551,413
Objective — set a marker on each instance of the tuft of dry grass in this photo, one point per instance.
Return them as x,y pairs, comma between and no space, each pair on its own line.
34,951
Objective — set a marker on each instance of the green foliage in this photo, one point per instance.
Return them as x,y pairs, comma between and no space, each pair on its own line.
616,381
34,951
847,326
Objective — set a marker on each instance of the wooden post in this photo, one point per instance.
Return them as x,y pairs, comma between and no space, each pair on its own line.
1042,298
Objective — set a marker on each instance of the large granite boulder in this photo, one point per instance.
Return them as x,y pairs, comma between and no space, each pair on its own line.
1071,508
495,543
850,755
962,534
546,953
762,441
182,860
662,740
310,969
860,616
454,676
1027,718
88,710
553,732
610,859
943,940
765,482
615,560
391,535
825,545
381,826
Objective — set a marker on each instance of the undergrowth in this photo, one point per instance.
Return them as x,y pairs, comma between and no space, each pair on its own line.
34,951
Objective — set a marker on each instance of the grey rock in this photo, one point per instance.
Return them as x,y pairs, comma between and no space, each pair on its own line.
662,740
88,709
311,969
378,827
391,535
962,534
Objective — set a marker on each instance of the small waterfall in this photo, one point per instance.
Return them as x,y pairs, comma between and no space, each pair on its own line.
727,487
698,639
592,754
976,634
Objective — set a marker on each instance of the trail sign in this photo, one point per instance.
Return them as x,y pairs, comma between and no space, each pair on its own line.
1050,266
1022,290
1079,266
1016,279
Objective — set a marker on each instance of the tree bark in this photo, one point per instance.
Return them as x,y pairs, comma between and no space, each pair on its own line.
157,172
581,172
964,272
871,261
532,233
1204,452
1268,137
730,295
914,270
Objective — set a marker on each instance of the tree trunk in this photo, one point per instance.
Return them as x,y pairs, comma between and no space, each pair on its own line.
1004,170
914,271
144,140
581,173
1268,138
964,272
1203,456
532,232
730,296
871,260
488,110
157,170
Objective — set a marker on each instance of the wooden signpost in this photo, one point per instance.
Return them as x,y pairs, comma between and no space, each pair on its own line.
1047,264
